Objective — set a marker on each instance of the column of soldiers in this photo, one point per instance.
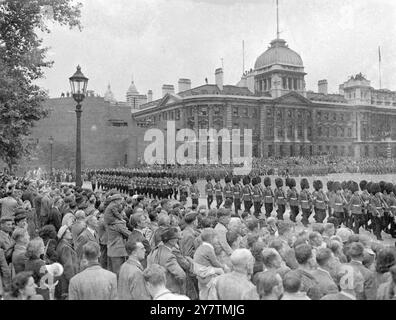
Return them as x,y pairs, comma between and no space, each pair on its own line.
367,204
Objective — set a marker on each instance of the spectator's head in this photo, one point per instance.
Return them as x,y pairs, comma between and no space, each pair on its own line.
166,205
35,248
23,285
285,228
65,233
315,239
163,220
242,261
138,220
6,224
92,222
233,239
324,258
292,282
271,258
48,232
191,219
235,225
155,278
135,249
386,259
91,251
356,251
304,255
224,216
209,235
80,215
269,285
252,224
170,236
329,230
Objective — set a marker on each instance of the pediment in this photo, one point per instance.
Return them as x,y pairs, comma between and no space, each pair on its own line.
292,98
169,99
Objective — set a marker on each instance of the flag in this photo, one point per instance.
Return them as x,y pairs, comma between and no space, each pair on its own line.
379,53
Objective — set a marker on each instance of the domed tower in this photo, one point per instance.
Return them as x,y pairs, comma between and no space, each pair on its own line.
279,70
109,96
133,98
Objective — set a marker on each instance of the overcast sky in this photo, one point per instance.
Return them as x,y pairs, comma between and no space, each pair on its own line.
160,41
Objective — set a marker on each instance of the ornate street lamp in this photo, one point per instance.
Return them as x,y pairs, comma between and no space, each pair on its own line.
78,84
51,141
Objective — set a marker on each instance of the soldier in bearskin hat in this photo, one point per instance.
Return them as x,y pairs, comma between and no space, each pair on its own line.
194,192
339,203
247,194
218,192
228,189
365,195
268,197
237,190
320,201
280,198
292,198
209,190
257,197
388,189
305,200
356,206
377,209
183,187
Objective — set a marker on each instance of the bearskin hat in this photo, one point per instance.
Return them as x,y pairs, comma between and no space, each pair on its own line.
388,187
375,188
246,180
227,179
330,185
193,180
292,183
217,179
317,184
304,184
278,182
259,179
363,185
353,186
254,181
369,186
267,181
382,185
337,186
287,182
394,189
208,178
344,185
235,180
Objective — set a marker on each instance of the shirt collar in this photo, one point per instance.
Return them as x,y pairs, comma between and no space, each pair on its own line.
208,244
348,295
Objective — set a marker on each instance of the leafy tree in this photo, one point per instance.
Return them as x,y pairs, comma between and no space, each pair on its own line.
22,62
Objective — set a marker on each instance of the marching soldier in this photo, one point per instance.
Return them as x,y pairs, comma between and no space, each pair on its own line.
292,198
194,192
268,197
257,197
237,190
247,194
209,190
377,210
356,206
280,198
218,192
305,200
319,201
228,189
388,189
183,187
339,203
365,195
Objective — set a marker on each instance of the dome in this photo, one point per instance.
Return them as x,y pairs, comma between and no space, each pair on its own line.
278,53
132,90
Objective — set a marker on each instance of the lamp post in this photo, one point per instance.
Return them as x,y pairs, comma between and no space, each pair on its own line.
78,84
51,141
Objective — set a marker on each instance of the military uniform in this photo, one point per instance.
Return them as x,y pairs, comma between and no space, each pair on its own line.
292,199
209,189
247,194
194,192
218,193
237,190
356,206
257,197
305,201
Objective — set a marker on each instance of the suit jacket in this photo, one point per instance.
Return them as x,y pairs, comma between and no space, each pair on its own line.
309,284
205,256
5,241
221,231
131,285
5,273
235,286
188,242
175,275
369,291
138,236
68,259
116,235
94,283
84,237
325,282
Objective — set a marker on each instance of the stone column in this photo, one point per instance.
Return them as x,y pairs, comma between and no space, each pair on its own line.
358,126
262,126
228,117
210,115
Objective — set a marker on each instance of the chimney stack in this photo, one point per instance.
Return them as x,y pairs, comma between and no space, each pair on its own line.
322,86
168,88
219,75
150,96
184,85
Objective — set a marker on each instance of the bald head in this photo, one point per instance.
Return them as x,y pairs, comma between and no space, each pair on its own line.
242,260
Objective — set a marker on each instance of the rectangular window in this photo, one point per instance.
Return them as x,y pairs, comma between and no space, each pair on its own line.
309,132
284,83
300,131
349,132
280,133
235,111
245,112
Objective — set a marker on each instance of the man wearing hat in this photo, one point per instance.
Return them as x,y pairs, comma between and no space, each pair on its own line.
163,255
223,219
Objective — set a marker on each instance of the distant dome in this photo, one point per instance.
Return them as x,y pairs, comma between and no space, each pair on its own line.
278,53
132,89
